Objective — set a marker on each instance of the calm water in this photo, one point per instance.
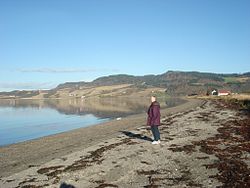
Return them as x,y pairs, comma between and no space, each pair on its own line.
22,120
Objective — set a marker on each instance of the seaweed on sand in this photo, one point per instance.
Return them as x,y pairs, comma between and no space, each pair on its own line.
95,157
231,146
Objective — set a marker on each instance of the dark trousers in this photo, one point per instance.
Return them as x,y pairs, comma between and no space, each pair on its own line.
155,131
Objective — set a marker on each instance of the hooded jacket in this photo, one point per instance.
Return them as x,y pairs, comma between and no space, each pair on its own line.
154,114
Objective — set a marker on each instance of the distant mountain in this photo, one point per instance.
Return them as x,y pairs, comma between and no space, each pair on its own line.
247,74
173,82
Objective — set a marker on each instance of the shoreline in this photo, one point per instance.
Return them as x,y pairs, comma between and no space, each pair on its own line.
21,156
206,145
101,117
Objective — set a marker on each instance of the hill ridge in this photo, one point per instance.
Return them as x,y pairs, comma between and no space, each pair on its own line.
174,83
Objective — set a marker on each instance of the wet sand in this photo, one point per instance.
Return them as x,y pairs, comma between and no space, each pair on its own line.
203,144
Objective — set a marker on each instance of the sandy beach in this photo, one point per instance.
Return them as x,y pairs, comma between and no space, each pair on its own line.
203,144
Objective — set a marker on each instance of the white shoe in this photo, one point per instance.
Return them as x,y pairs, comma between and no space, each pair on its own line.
155,142
159,141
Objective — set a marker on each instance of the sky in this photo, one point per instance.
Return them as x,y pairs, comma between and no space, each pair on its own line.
47,42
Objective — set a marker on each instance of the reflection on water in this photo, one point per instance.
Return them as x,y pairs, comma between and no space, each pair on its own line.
102,108
22,120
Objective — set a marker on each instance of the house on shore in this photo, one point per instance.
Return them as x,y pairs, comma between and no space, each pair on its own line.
214,92
220,92
223,92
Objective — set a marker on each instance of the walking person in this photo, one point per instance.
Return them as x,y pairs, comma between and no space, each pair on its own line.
153,121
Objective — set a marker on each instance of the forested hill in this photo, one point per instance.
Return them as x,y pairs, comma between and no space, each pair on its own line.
173,82
176,82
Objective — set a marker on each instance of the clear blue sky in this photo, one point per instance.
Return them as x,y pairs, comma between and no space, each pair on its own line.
47,42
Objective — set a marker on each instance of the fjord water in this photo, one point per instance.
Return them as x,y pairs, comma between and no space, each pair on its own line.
21,124
22,120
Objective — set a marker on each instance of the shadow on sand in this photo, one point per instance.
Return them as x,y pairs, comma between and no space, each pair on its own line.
137,136
64,185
